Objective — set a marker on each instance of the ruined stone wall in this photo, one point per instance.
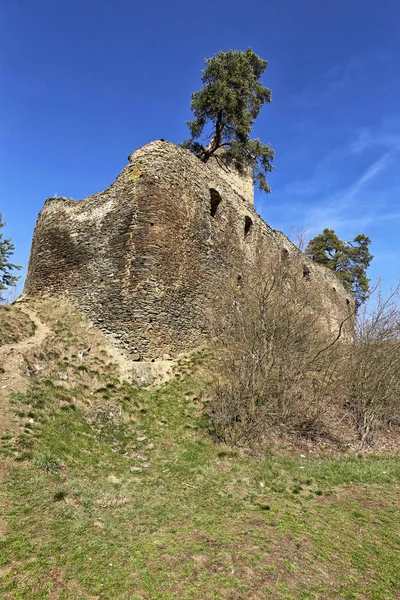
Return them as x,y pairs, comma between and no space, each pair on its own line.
149,260
242,184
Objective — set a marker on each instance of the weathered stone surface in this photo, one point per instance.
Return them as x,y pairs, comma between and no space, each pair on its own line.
148,259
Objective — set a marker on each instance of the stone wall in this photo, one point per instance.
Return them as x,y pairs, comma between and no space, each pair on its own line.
149,258
242,184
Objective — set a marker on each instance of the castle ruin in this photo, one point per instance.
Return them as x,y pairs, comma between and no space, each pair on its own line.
149,258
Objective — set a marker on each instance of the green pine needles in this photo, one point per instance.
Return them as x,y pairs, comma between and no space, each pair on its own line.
225,110
349,260
6,250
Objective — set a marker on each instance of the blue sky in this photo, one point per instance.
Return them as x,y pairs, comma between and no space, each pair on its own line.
85,82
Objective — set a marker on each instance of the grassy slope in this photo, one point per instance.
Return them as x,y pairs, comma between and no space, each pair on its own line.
14,325
200,521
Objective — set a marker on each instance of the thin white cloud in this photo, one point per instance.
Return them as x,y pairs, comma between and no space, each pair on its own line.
324,174
370,203
368,138
367,176
339,207
331,83
336,211
391,216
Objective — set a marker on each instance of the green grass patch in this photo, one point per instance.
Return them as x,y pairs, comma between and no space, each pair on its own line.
130,498
14,325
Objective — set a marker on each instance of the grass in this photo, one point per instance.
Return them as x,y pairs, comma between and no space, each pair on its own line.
112,492
192,519
14,325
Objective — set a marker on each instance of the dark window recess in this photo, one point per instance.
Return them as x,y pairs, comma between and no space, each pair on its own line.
347,301
306,272
215,199
334,289
285,255
247,225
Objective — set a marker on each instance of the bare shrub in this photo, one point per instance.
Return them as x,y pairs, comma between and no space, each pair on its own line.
371,375
276,360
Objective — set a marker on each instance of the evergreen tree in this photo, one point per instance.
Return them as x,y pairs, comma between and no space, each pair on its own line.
6,250
349,260
226,107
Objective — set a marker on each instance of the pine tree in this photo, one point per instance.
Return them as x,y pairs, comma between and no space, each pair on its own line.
225,110
6,250
349,260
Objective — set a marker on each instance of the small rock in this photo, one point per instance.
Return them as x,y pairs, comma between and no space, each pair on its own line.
140,457
63,376
135,469
146,465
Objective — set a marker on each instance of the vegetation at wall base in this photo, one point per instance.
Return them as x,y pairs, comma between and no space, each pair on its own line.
277,366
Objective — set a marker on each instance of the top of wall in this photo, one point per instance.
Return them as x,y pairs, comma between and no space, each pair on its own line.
242,184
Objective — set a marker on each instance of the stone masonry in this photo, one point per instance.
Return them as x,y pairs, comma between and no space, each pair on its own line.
149,258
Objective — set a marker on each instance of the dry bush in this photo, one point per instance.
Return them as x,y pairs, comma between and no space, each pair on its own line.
276,362
371,374
278,365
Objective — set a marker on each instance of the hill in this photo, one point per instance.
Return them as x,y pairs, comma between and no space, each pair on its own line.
112,491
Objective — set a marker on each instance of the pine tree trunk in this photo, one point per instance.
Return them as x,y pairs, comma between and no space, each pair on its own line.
216,140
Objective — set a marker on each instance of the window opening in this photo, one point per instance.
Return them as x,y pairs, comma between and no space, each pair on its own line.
247,225
215,199
306,272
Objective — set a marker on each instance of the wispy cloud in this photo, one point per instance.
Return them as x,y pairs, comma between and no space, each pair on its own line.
345,208
371,172
322,176
334,202
368,138
326,169
331,83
